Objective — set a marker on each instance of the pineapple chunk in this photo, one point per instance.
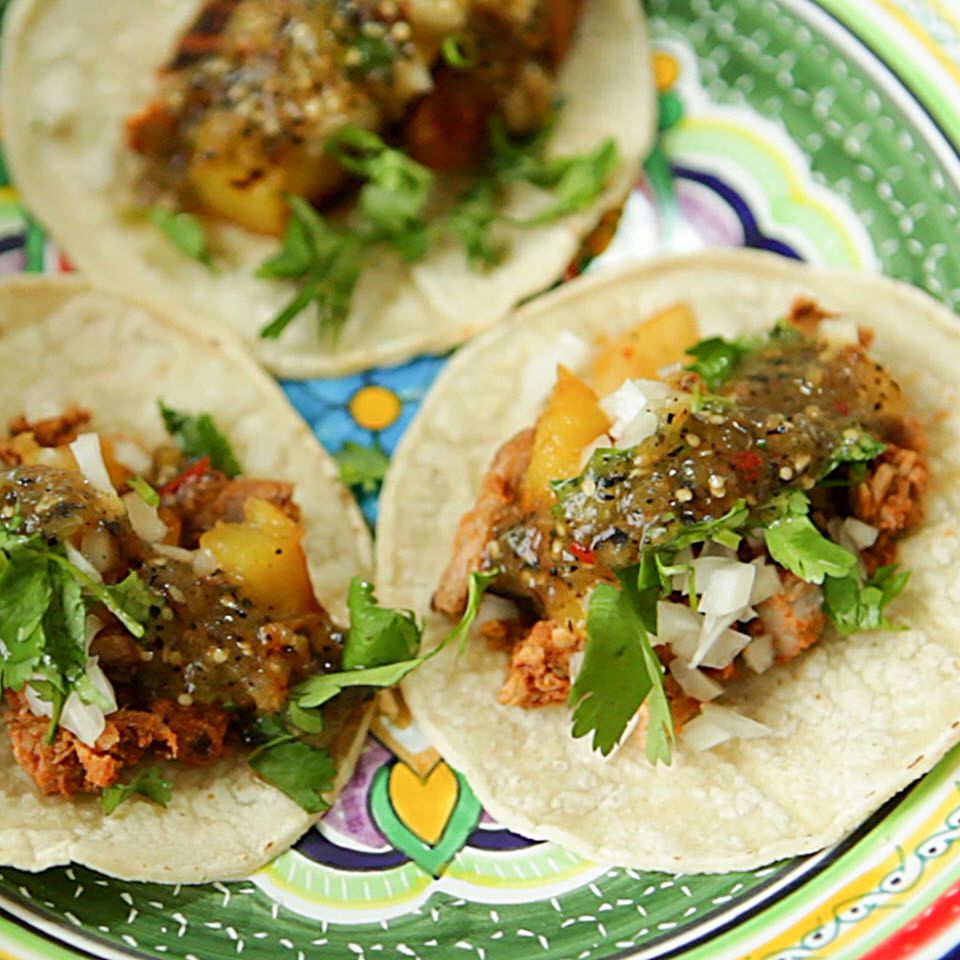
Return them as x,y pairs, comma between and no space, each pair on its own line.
263,555
571,419
645,349
252,194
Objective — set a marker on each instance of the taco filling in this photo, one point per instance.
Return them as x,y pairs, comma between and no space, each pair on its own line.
268,112
156,603
670,536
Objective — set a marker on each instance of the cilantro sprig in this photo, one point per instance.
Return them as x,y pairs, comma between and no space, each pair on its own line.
376,632
362,466
44,600
619,672
184,231
391,212
198,436
147,783
379,651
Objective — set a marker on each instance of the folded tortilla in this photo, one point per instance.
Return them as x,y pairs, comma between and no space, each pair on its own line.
853,719
73,70
62,342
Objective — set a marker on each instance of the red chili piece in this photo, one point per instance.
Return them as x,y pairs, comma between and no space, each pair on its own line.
583,554
197,469
749,463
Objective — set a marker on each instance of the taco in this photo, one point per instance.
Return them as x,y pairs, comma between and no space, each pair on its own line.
169,576
458,154
723,551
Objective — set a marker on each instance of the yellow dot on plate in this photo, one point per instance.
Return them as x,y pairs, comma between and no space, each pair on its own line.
374,408
665,70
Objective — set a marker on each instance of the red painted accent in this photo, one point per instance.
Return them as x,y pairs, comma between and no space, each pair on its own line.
64,265
922,930
197,469
583,554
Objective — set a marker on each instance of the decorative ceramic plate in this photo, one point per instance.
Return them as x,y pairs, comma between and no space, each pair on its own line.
826,131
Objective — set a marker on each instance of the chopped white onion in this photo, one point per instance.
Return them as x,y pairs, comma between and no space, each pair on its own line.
574,664
540,372
91,627
144,519
204,562
724,585
131,455
766,583
679,627
861,534
496,608
721,652
97,547
175,553
838,331
694,683
86,448
86,720
758,654
713,549
637,430
629,409
715,724
82,563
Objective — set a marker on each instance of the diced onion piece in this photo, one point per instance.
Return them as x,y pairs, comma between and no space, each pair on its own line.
838,331
722,651
204,562
86,449
86,720
679,627
131,455
82,563
100,683
144,519
724,585
715,724
861,534
643,425
711,631
175,553
97,547
713,549
496,608
574,664
694,683
766,583
758,654
91,626
540,372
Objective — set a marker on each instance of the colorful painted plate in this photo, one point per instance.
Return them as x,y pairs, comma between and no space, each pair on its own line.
826,131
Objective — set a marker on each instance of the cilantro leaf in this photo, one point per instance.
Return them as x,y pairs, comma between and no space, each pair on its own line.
471,220
304,773
716,359
378,635
184,231
325,686
576,181
856,448
619,672
309,721
131,600
296,255
795,543
723,529
197,436
853,605
362,466
147,783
